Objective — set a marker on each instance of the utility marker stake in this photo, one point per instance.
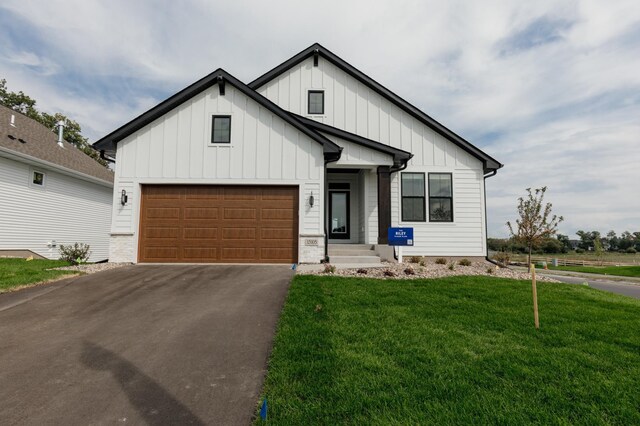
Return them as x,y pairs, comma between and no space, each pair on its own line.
535,296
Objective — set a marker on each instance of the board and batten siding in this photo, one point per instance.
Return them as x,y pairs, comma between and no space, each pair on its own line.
66,210
176,149
354,107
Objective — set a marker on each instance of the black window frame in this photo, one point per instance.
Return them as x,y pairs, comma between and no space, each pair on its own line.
309,93
213,127
424,197
450,198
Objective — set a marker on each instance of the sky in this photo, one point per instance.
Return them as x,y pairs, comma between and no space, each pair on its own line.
549,88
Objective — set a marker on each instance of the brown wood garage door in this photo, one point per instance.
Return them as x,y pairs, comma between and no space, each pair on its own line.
219,224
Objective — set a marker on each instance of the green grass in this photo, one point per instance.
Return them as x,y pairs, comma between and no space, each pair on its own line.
461,350
622,271
20,272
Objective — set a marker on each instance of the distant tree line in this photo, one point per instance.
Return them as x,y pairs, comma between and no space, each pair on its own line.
20,102
627,242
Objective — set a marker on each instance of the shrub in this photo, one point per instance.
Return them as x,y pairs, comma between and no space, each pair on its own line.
490,270
579,250
389,273
409,271
502,258
415,259
464,262
76,254
441,261
631,250
452,266
329,269
422,263
362,271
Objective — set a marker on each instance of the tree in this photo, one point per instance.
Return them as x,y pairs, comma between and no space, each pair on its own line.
612,239
566,244
536,221
26,105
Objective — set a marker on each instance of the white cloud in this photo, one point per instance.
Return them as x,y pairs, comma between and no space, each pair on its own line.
551,89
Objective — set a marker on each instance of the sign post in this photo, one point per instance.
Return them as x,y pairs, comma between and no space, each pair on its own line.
400,237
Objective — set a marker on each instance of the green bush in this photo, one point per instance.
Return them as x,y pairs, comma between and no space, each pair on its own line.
76,254
631,250
464,262
415,259
579,250
441,261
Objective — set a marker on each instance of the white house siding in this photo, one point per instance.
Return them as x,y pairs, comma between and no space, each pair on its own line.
66,210
352,106
176,149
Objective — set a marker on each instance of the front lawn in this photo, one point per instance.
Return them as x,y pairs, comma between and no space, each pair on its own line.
20,272
622,271
456,350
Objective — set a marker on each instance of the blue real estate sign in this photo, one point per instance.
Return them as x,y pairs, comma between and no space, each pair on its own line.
400,236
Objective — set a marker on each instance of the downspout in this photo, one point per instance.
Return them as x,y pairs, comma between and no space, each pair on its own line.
395,169
486,221
325,197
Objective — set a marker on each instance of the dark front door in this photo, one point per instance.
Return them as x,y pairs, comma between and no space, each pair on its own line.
339,215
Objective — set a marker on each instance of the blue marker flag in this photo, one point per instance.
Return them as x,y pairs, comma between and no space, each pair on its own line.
293,266
263,410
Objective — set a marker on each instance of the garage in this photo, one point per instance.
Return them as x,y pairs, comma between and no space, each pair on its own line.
218,224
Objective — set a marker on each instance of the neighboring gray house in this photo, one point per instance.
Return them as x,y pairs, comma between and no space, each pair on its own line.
50,193
312,158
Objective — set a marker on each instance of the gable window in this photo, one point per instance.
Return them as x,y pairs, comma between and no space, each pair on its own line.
221,129
37,178
440,197
316,102
413,204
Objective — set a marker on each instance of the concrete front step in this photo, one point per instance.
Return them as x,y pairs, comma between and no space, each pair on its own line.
342,252
351,246
358,260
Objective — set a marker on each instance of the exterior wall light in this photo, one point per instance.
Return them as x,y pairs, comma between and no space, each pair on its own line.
311,199
124,197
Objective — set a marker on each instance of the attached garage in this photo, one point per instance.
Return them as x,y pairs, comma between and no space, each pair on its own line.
218,224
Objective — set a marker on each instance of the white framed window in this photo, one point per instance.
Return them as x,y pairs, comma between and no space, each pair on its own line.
37,178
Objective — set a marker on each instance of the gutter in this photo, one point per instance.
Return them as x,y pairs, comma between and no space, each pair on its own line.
64,170
486,220
105,158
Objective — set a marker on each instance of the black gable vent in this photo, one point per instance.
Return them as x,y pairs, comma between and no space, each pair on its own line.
11,137
21,140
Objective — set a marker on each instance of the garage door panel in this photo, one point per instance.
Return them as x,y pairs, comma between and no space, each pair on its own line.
200,233
219,224
199,253
201,213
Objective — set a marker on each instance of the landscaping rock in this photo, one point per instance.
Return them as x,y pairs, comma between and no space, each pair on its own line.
92,268
396,271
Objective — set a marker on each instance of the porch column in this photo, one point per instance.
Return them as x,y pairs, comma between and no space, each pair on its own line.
384,203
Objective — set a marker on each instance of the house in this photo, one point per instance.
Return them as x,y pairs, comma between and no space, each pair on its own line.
51,193
313,158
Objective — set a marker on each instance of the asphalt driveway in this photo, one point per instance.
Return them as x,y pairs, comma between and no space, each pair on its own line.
142,344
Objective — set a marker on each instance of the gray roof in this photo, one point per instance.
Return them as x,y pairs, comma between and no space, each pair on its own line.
30,138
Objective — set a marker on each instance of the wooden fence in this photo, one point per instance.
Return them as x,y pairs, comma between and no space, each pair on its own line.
567,262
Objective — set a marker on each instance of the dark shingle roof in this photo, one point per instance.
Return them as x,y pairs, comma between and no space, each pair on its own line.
41,143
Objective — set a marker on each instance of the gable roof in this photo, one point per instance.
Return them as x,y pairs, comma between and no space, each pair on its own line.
400,157
489,162
28,138
220,77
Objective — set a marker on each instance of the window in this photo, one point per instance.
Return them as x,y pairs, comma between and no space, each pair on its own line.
413,197
37,178
316,102
440,197
221,129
